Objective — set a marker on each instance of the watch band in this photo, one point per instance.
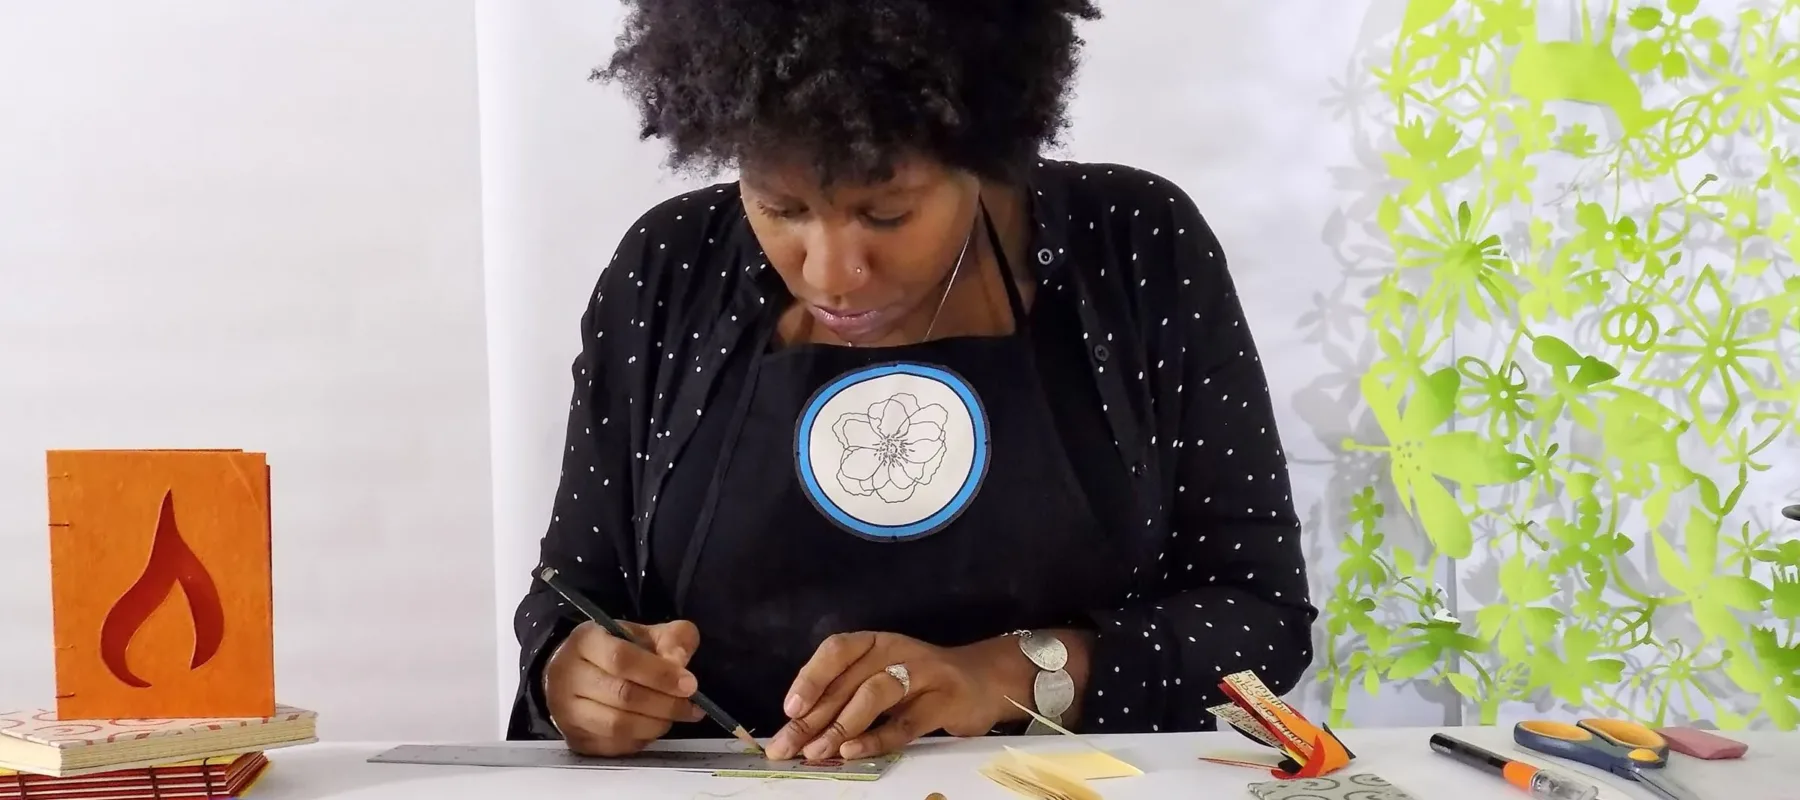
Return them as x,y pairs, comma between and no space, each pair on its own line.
1052,691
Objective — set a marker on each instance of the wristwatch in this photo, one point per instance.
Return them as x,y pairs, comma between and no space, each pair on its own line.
1052,691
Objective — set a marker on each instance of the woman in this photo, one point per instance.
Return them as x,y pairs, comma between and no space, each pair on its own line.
906,424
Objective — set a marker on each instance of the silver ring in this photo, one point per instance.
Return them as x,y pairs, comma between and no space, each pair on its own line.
900,674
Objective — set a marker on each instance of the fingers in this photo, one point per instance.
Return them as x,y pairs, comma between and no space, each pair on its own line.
630,662
906,725
609,696
675,641
593,728
828,662
825,718
877,693
590,682
838,667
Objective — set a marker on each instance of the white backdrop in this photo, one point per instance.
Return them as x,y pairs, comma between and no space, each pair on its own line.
256,225
562,175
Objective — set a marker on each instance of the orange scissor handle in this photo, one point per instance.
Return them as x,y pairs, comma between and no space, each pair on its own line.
1641,744
1558,730
1607,744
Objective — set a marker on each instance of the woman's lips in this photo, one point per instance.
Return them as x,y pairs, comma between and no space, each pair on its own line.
854,326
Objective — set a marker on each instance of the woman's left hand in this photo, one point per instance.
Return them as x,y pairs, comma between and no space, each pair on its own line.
846,686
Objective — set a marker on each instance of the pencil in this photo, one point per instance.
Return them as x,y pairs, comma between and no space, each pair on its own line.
613,627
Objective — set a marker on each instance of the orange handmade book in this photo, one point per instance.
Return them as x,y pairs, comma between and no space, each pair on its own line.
1301,749
38,742
215,778
161,595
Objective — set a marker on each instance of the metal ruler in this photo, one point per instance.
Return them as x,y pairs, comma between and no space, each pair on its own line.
722,763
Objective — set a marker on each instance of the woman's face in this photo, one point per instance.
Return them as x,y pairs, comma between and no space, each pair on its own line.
867,262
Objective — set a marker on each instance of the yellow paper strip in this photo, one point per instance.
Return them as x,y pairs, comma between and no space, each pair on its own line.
1097,764
1091,766
1032,776
762,774
1244,758
1043,719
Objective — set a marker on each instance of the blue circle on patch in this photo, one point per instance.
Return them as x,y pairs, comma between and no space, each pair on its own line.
894,451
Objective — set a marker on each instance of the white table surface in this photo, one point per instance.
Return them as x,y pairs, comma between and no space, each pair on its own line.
340,771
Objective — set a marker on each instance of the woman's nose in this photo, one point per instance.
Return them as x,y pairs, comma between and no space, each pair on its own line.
835,265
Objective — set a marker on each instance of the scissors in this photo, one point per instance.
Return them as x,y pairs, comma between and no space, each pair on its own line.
1625,749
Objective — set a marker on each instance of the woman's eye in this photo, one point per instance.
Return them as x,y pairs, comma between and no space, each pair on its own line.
779,212
888,221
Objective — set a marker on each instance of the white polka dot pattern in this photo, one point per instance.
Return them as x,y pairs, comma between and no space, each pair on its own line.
1224,580
1219,581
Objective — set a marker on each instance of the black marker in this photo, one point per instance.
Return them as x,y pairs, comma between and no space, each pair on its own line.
1539,783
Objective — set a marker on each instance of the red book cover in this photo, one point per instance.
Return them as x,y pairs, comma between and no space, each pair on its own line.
205,779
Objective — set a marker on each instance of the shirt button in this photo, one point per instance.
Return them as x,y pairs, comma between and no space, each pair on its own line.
1137,469
1045,256
1101,353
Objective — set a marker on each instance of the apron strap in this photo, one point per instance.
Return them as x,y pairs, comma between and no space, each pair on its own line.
1006,274
733,427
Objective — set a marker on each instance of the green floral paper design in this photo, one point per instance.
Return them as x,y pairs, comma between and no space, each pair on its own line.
1573,271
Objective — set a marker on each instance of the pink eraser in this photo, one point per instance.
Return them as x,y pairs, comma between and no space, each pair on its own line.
1702,743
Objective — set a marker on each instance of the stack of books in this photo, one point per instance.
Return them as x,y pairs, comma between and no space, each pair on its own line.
45,758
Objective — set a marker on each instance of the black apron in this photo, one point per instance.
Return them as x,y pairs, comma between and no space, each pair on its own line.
922,490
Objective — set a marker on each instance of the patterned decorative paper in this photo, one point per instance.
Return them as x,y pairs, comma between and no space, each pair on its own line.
1304,750
161,583
1360,786
47,729
1566,340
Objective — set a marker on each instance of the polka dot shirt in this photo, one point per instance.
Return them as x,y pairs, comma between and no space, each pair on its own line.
1205,511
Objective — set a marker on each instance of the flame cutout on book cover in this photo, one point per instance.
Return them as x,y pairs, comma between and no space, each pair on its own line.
171,562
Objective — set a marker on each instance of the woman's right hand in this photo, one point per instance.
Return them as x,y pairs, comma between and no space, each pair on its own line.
610,697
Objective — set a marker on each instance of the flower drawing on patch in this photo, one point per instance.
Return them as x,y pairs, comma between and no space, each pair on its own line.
892,450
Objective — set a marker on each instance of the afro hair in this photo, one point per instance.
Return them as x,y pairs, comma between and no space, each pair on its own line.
846,87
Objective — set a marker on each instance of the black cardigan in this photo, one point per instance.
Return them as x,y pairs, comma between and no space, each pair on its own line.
1220,580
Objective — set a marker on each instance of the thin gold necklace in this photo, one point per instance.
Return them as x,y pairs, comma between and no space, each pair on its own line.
961,256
